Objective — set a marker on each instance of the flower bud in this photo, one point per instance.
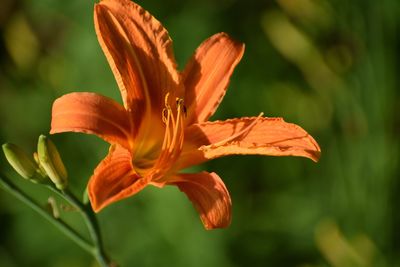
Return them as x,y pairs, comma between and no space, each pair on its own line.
51,162
21,163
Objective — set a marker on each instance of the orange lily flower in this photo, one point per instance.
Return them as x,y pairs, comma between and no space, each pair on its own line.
163,125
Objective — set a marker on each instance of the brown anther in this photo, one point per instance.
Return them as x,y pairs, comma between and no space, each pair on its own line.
181,104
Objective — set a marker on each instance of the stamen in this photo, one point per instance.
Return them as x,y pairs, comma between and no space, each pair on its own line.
173,136
166,119
165,114
181,105
175,133
179,101
166,100
233,137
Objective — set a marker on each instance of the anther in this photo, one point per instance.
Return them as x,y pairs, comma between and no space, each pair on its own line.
179,101
181,105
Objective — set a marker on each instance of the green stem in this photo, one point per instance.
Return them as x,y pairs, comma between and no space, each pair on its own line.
90,221
58,223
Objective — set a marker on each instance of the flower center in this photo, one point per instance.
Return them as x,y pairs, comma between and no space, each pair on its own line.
173,137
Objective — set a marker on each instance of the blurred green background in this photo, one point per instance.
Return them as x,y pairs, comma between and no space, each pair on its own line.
330,66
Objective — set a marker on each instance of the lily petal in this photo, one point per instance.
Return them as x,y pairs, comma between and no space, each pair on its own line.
209,196
114,179
206,76
139,51
253,135
91,113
